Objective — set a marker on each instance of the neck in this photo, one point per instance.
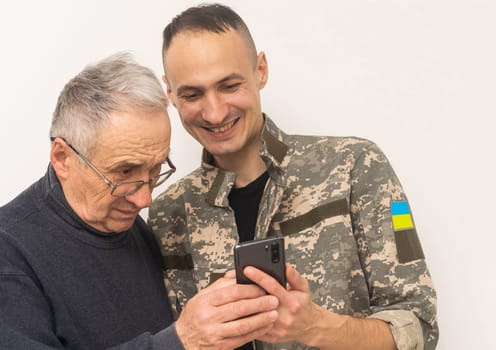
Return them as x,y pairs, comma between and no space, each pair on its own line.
247,166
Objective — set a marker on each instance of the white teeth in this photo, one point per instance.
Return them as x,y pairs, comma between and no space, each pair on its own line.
223,128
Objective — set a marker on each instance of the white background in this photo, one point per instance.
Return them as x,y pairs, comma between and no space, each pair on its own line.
417,77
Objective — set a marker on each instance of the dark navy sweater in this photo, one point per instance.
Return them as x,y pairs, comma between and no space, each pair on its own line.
65,285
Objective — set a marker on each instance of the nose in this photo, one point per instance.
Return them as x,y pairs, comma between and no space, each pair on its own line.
141,198
214,109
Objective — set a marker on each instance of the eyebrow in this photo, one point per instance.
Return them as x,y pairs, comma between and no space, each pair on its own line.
125,164
183,88
231,76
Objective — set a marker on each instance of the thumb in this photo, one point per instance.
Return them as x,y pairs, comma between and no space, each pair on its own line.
295,279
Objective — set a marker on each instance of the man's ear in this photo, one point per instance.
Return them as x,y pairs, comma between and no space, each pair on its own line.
262,69
59,157
168,90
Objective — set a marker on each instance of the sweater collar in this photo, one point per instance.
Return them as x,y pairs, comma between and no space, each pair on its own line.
54,195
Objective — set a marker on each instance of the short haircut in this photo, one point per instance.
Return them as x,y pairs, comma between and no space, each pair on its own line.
114,84
215,18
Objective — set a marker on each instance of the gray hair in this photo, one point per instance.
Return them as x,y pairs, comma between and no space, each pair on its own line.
114,84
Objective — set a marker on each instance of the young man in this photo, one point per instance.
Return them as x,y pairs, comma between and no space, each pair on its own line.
362,281
79,269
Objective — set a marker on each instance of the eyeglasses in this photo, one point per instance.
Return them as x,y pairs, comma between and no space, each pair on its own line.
123,189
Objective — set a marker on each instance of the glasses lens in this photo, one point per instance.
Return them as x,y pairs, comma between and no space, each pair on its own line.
127,188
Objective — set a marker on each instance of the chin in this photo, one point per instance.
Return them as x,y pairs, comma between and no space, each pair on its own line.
223,150
119,227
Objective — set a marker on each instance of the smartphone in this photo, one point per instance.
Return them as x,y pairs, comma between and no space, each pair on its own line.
265,254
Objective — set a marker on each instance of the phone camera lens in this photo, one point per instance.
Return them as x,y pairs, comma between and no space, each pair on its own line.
274,251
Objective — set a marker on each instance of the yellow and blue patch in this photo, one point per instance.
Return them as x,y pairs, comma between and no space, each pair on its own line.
401,216
405,234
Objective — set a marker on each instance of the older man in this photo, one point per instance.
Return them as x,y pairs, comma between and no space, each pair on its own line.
79,269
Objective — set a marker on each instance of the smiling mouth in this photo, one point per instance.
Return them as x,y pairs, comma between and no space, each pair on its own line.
223,128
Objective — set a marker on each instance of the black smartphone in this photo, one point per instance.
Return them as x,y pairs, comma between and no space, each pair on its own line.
265,254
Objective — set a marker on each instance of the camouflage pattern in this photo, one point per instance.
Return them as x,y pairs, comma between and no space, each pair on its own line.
330,197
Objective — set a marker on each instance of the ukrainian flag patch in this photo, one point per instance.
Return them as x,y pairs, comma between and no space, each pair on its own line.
401,216
405,234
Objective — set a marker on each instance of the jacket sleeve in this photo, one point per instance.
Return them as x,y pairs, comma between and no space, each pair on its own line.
168,221
400,287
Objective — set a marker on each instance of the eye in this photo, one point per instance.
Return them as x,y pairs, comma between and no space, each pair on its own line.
190,96
231,87
125,172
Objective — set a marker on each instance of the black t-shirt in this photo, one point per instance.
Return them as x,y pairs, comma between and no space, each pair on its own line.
245,201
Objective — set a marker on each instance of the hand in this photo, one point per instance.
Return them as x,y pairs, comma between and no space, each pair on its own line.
296,312
226,315
303,321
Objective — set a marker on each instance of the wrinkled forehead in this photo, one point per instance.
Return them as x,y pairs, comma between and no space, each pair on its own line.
135,132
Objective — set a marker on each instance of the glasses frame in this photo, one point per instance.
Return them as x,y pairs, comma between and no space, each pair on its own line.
139,183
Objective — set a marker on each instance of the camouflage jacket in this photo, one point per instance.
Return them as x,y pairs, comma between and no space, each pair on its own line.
332,198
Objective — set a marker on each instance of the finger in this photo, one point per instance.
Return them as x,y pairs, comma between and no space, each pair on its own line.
244,308
246,327
220,283
267,282
233,292
230,274
296,280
